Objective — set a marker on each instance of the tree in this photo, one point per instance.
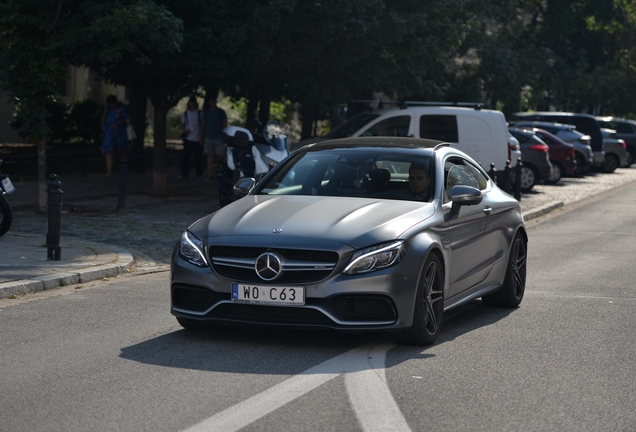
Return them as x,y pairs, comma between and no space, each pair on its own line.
31,68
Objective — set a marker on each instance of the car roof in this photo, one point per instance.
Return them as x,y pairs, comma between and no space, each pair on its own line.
379,142
539,124
553,113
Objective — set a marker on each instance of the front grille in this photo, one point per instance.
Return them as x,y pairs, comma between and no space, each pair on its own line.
299,266
362,308
274,314
193,298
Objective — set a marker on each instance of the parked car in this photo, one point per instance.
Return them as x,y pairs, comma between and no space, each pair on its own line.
584,123
561,155
535,157
616,154
568,133
481,133
330,239
625,130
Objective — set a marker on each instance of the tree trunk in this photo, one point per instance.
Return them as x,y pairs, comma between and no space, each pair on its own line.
308,115
42,175
252,105
137,110
160,154
263,112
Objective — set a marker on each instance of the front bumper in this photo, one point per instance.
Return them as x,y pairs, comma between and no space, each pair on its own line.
382,299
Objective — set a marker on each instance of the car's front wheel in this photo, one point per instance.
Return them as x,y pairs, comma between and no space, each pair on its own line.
557,173
511,292
429,305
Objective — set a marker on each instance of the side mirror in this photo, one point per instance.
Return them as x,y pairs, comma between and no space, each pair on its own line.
464,195
244,186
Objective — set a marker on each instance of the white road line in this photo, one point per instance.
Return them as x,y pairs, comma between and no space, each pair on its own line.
370,396
380,402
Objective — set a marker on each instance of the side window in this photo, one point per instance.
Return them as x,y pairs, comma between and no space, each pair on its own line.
623,128
439,127
458,172
393,126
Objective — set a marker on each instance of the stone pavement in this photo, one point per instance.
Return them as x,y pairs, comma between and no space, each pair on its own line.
99,242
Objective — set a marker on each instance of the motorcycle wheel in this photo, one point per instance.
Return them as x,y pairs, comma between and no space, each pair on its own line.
6,216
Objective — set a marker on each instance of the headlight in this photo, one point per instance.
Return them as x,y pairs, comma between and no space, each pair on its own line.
191,250
376,257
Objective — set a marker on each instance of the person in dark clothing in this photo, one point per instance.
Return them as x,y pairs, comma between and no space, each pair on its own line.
192,147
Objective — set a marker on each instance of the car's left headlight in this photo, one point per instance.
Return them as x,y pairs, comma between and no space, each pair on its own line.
191,250
376,257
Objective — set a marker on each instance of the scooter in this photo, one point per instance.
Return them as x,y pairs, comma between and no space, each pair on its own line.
250,155
6,215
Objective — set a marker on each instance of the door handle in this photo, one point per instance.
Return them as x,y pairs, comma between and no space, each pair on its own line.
487,210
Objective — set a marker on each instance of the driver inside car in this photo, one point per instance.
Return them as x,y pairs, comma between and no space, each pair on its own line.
419,181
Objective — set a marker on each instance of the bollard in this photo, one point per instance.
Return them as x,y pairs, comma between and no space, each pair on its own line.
54,251
518,180
123,178
493,172
507,173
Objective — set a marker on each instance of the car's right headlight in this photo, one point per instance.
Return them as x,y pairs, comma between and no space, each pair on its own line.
376,257
191,250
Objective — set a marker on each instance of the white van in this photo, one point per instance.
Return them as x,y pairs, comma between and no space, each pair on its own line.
481,133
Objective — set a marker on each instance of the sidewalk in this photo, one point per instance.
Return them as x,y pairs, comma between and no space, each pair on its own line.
99,242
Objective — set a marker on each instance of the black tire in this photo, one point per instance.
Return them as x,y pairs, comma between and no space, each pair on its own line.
611,162
529,177
6,216
557,173
631,156
429,305
582,166
191,324
511,292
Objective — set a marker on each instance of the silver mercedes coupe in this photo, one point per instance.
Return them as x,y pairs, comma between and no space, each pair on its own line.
376,233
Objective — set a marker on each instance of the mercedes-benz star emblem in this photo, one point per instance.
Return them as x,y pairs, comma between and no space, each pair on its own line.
268,266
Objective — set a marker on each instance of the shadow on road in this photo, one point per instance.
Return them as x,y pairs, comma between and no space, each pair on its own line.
271,350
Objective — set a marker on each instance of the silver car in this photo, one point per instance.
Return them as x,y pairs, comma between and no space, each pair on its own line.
616,154
375,233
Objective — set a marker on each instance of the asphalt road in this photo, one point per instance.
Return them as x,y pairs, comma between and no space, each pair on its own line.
109,356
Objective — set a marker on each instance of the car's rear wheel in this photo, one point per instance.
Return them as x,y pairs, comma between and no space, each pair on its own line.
190,324
429,305
529,177
611,162
511,292
557,173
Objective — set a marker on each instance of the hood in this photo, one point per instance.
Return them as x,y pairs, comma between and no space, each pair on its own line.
355,221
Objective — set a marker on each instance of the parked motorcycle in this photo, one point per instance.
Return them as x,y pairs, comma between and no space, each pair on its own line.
6,215
250,155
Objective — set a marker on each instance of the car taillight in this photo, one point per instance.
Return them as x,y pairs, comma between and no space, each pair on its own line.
622,143
511,148
543,148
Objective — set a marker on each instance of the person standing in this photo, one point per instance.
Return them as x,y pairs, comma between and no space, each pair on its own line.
213,122
192,146
115,142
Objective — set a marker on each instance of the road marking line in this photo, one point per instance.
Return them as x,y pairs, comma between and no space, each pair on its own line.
244,413
370,395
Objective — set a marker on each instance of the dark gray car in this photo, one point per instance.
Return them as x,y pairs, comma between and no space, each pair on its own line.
535,157
349,234
625,130
568,133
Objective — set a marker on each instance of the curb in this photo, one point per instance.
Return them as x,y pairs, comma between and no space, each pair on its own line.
122,264
541,210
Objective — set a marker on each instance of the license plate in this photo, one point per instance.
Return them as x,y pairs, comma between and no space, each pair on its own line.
278,295
7,185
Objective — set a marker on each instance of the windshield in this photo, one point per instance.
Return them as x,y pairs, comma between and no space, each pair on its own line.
352,172
349,127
